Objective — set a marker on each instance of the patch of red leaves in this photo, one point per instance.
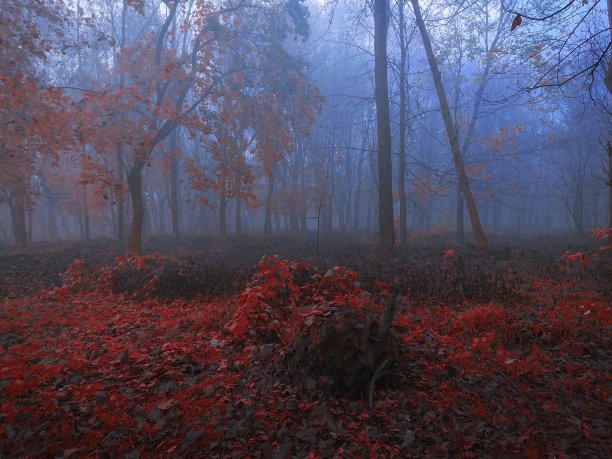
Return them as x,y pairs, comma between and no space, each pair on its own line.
283,294
88,373
529,379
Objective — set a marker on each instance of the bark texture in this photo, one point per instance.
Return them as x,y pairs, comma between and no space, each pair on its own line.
383,125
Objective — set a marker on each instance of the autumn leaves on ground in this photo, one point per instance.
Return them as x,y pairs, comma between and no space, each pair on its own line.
219,355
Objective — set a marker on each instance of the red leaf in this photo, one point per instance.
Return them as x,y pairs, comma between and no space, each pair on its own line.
585,262
166,404
238,327
517,22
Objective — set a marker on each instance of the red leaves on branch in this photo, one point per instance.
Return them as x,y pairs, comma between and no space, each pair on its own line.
578,256
138,5
516,22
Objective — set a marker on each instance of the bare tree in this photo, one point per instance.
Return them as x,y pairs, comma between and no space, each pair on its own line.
451,130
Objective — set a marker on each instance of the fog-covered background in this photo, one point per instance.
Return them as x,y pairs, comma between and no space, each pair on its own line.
238,117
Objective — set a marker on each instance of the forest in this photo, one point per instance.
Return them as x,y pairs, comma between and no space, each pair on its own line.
305,228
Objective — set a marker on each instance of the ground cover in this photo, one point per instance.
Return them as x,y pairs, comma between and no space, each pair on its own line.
129,359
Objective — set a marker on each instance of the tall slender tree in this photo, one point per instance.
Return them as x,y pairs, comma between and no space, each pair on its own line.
451,129
383,124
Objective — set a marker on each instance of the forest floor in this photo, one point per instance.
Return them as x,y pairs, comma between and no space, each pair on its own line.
206,349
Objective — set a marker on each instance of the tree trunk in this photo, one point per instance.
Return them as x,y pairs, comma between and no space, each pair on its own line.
52,218
120,199
20,234
3,231
303,220
30,225
608,79
474,118
401,187
174,172
86,225
147,224
579,212
383,126
79,220
609,183
222,214
238,213
267,229
294,226
460,218
238,205
160,217
357,205
328,221
65,226
295,171
470,130
160,133
451,130
134,180
348,167
119,152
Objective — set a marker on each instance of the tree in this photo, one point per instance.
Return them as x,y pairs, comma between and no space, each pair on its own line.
169,87
383,125
578,38
403,107
33,118
477,36
451,130
609,184
229,141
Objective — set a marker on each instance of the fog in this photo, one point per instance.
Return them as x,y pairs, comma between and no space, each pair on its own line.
131,119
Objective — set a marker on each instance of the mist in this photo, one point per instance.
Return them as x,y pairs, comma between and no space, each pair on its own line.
267,124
